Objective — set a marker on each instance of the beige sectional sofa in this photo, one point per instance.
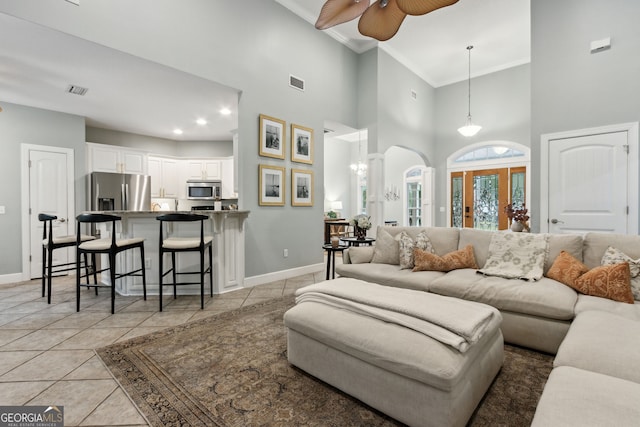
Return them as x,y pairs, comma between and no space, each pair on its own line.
595,379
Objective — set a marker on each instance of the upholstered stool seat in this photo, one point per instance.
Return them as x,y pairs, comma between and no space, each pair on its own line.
111,246
171,243
51,242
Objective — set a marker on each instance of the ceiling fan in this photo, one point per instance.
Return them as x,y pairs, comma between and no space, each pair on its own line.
381,20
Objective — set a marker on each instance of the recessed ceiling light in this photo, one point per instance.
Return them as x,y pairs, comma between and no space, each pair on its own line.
225,111
201,122
177,131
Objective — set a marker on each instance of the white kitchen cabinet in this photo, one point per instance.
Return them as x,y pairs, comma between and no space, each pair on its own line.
115,159
165,177
228,184
203,169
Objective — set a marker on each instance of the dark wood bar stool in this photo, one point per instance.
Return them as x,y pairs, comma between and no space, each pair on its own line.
174,244
112,247
51,243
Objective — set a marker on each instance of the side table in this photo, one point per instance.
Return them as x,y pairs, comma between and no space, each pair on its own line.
331,258
354,241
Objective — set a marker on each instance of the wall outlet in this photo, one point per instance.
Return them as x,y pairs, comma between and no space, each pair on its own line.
147,263
285,253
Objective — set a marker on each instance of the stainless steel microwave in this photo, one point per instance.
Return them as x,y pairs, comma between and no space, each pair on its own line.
204,189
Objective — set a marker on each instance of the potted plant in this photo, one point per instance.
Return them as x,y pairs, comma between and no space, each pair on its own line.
361,223
518,217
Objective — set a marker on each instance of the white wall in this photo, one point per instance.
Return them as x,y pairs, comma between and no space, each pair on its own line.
396,161
337,175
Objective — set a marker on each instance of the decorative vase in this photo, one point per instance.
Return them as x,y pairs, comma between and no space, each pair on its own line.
517,226
360,233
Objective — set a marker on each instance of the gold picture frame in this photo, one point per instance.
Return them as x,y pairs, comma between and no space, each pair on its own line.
301,144
301,187
271,182
272,137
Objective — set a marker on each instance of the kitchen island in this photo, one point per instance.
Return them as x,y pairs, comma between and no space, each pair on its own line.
226,227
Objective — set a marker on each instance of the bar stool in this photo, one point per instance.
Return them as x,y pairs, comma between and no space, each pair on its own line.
173,245
112,247
51,243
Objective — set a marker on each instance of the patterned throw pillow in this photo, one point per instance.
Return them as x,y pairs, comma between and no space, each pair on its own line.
616,256
516,255
566,269
407,245
427,261
607,281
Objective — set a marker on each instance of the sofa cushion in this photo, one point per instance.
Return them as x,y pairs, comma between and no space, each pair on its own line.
360,254
606,281
570,243
386,249
545,298
426,261
614,256
587,303
602,342
389,275
443,239
479,239
575,397
516,255
408,244
595,245
566,269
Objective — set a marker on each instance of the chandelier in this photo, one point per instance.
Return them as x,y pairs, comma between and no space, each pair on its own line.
359,168
469,129
381,20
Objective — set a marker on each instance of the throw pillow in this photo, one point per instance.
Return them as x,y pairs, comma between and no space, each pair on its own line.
516,255
386,248
607,281
407,245
616,256
566,269
427,261
360,254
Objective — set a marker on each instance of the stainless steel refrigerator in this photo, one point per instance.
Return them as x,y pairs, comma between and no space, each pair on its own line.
120,192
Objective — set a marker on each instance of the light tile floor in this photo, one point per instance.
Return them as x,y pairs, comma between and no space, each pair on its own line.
47,351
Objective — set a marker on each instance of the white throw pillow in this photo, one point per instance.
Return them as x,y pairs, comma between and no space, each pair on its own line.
386,248
516,255
407,245
616,256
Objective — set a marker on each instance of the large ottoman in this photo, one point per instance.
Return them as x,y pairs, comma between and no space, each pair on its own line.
404,373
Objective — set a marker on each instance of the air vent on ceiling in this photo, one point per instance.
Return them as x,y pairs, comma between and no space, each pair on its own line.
77,90
296,82
414,94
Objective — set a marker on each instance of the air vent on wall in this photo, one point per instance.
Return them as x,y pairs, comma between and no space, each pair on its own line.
296,82
328,130
77,90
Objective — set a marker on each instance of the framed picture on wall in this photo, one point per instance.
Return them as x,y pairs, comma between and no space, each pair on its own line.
272,137
301,187
272,189
301,144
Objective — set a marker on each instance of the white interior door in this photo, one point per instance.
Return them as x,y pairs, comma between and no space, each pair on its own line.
589,183
48,193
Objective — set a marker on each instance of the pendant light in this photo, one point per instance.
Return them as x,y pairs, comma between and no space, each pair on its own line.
469,129
359,168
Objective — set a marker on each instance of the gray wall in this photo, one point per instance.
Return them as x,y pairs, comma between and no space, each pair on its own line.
161,146
572,88
25,125
249,46
500,103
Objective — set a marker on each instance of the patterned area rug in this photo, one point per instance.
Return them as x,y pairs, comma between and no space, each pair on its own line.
231,369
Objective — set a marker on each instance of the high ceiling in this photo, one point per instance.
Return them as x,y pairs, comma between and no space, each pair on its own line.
125,92
434,45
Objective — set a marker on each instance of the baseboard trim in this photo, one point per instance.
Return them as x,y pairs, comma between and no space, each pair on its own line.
11,278
252,281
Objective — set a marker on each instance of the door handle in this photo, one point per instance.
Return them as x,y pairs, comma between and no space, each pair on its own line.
61,220
556,221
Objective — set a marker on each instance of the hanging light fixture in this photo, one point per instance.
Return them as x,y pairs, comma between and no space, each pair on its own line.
359,168
469,129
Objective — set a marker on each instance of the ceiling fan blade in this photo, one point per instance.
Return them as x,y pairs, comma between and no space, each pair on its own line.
420,7
381,22
336,12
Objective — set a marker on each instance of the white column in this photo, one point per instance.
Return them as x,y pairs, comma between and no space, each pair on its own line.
375,190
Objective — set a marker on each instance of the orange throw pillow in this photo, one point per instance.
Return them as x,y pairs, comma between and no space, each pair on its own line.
426,261
607,281
566,269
